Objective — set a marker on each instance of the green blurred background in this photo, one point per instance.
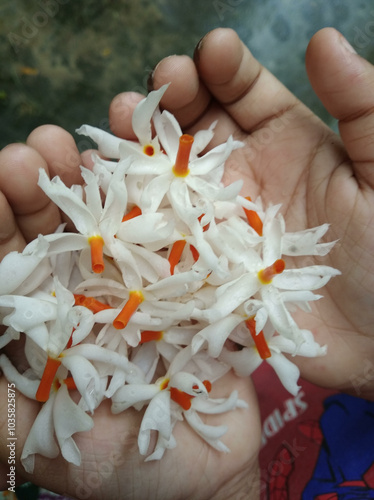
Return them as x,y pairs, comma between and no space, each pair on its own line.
62,61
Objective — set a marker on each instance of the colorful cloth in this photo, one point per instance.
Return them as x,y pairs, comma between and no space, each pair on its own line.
317,445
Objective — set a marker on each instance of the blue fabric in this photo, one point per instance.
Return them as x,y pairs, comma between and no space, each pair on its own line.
347,451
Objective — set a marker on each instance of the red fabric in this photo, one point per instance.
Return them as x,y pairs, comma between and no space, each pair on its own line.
291,436
368,477
327,496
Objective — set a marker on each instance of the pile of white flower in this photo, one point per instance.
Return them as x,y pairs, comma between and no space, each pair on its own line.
144,304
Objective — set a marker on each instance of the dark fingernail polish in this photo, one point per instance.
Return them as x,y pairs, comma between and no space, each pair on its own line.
150,79
199,46
196,54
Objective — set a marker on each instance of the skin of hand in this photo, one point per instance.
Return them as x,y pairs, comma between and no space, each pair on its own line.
290,157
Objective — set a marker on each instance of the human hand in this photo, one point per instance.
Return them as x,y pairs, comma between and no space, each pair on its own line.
292,158
111,465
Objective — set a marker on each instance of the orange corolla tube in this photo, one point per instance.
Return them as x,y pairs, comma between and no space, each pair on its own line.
180,168
97,255
50,370
266,275
135,299
253,219
259,339
176,254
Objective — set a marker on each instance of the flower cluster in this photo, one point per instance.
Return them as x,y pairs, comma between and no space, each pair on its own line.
170,281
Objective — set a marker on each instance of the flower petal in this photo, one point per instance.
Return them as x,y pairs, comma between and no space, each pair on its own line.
108,144
69,203
216,334
86,379
214,406
25,385
68,419
306,278
209,433
133,395
141,118
306,242
287,372
156,417
40,439
16,267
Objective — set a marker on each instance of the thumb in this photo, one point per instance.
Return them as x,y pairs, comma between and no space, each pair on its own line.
344,82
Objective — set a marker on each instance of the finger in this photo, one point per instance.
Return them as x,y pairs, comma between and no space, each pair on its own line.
187,98
228,84
60,152
11,238
248,91
344,82
120,114
33,211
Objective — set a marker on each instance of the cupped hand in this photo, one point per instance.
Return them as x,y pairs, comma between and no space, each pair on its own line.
291,157
111,466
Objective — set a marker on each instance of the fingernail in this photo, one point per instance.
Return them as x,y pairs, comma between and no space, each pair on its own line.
199,46
347,46
150,79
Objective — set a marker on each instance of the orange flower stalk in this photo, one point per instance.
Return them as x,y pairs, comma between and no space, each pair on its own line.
266,275
180,168
253,219
259,339
50,370
176,254
97,257
135,299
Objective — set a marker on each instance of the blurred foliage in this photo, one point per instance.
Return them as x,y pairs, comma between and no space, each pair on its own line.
62,61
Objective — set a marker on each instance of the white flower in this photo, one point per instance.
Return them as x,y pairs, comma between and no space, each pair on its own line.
168,401
268,281
58,419
92,220
147,148
248,359
48,321
23,272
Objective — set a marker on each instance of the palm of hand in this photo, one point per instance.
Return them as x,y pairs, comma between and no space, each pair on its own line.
112,467
293,158
305,167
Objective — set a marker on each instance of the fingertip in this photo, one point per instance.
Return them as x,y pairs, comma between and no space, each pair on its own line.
87,158
218,55
19,173
120,114
181,72
186,97
333,67
59,150
344,81
11,238
29,206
